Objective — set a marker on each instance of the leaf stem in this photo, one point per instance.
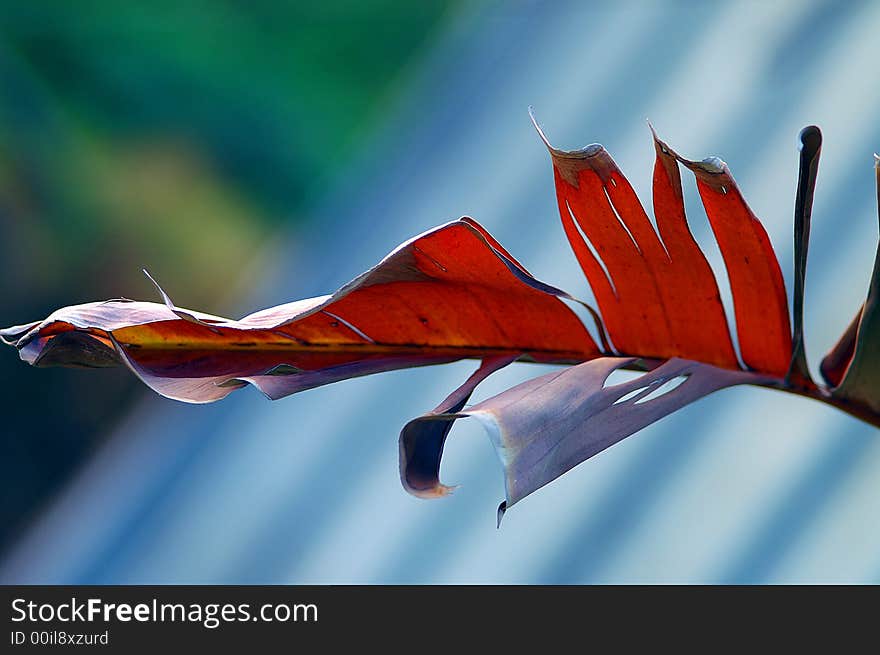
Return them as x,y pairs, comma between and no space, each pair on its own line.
811,149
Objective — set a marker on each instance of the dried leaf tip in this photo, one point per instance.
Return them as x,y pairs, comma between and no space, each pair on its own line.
709,166
180,313
712,170
660,145
654,134
161,291
581,153
502,508
539,129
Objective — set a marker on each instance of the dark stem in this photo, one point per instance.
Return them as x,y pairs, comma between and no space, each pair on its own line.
811,149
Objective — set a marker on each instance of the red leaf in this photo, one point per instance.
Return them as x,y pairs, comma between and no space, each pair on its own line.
448,294
659,298
454,293
759,298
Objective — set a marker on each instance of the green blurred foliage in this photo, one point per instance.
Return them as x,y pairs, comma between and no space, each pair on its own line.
176,136
178,133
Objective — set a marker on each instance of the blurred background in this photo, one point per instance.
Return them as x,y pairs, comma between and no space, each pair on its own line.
249,154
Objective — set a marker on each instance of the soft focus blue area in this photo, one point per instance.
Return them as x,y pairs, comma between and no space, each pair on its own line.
747,485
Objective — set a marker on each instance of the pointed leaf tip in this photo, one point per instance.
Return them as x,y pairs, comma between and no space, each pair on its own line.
539,129
165,297
502,508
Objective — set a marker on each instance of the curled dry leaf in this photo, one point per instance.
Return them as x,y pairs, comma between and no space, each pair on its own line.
550,424
455,293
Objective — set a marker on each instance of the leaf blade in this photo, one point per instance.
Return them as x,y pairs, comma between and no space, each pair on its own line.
448,294
546,426
657,293
859,347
